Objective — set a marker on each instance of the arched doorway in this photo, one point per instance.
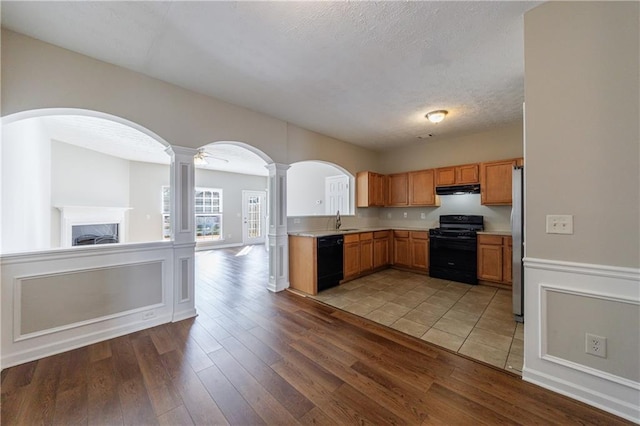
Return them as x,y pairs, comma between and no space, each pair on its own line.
75,177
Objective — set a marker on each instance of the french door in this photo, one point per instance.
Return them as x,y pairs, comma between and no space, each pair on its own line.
254,213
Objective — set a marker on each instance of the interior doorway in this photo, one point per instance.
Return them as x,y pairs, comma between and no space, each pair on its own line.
337,195
254,217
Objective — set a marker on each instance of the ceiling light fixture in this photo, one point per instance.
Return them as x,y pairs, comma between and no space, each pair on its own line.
436,116
199,159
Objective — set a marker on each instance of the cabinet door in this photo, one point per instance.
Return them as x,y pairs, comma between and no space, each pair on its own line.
351,259
445,176
490,262
507,250
495,182
381,251
422,188
420,253
398,189
401,251
363,189
366,255
379,190
467,174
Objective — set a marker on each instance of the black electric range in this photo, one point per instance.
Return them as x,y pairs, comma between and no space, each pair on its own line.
453,248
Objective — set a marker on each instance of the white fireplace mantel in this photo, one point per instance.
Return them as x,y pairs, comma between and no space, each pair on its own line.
90,215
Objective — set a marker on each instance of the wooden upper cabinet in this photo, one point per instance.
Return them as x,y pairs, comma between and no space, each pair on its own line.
458,175
422,188
495,182
371,189
398,185
467,174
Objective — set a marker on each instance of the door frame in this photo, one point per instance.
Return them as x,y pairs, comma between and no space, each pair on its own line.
263,219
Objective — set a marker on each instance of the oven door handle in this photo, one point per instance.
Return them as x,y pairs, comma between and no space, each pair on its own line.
442,237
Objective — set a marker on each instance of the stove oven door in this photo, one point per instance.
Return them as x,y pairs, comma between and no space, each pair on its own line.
453,258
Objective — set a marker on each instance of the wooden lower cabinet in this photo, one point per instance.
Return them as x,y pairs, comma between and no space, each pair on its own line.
351,256
411,250
401,249
366,252
419,250
494,258
380,249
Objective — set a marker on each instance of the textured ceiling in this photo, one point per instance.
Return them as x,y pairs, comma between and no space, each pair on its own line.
363,72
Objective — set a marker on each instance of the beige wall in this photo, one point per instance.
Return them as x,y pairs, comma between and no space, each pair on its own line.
494,144
582,137
39,75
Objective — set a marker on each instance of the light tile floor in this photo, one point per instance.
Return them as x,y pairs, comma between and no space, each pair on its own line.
473,320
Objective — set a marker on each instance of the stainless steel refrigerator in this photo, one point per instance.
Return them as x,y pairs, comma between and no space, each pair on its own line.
517,232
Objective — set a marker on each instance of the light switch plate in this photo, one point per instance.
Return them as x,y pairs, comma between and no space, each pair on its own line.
559,224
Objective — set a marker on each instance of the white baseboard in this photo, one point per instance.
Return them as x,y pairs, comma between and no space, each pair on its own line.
179,316
65,345
617,406
204,246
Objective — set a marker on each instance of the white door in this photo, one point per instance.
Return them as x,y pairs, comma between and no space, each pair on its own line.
254,213
336,195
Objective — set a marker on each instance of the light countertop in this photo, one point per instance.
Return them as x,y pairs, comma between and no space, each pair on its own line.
326,232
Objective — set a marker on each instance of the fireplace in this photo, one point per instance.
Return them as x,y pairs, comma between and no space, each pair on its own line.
97,233
83,225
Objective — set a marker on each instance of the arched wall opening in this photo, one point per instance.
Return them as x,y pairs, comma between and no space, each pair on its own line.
79,177
319,188
232,194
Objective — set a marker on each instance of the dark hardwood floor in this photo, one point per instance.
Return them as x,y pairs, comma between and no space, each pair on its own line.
252,357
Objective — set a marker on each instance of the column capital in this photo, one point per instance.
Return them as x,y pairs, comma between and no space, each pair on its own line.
181,150
275,167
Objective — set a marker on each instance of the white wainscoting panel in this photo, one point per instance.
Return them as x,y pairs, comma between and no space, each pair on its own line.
594,299
77,271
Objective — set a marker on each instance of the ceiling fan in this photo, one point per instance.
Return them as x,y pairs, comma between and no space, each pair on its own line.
200,159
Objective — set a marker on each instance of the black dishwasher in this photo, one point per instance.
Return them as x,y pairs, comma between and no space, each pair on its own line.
329,261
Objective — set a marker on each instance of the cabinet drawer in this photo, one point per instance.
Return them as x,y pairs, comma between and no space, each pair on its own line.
351,238
401,234
420,235
365,236
490,239
380,234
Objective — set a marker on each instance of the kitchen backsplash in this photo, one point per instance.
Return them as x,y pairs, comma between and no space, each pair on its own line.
496,218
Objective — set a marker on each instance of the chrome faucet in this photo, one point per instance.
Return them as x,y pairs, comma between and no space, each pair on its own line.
338,223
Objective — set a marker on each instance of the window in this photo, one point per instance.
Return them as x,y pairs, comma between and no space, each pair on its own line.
208,214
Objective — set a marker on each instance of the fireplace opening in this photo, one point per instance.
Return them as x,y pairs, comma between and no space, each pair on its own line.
99,233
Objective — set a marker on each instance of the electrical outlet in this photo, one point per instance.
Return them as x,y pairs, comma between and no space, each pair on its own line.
559,224
388,215
596,345
423,215
148,315
296,220
404,214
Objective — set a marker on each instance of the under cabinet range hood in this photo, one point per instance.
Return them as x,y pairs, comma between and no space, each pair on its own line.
458,189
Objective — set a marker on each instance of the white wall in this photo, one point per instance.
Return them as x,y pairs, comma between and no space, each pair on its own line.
82,177
582,158
306,188
145,200
26,193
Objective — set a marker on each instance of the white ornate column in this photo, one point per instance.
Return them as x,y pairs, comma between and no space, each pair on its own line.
278,238
182,231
